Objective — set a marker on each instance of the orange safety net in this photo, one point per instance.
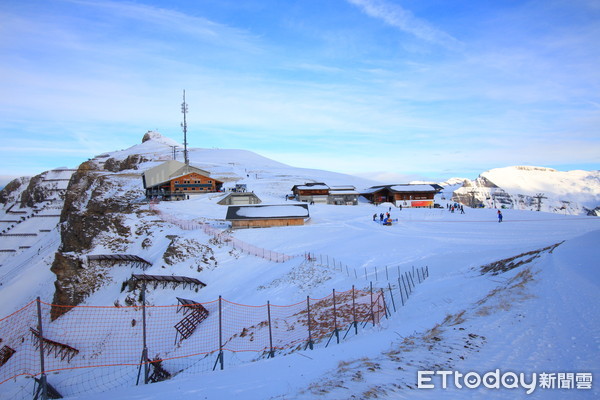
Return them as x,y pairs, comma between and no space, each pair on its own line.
177,336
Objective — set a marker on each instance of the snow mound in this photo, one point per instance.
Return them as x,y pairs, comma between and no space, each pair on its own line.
157,137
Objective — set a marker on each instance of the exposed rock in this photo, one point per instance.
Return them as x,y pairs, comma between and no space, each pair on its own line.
74,282
594,213
10,193
93,206
181,250
34,193
131,162
88,210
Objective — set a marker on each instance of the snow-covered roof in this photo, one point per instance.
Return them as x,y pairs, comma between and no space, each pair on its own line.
169,170
268,211
313,187
338,188
412,188
343,192
373,189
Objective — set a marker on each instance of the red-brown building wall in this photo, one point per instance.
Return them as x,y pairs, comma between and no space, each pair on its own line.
193,183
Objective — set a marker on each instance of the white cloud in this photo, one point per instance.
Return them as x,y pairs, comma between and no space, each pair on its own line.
402,19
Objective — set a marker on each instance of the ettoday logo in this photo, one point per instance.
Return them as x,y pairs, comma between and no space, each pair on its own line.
505,380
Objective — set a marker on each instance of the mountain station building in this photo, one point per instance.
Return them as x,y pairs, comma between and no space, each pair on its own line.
174,180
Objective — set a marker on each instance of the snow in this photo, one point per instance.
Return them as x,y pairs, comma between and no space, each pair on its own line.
543,316
313,187
413,188
272,211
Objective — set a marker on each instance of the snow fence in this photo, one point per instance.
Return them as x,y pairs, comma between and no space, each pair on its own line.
95,348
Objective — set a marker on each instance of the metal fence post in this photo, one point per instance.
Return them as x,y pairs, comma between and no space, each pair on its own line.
385,308
335,328
144,359
354,321
405,289
412,281
400,288
310,341
372,312
43,381
220,356
392,296
271,351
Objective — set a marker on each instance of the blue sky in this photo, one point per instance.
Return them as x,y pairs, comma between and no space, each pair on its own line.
396,89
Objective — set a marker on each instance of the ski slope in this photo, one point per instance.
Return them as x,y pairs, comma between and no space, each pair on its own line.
542,316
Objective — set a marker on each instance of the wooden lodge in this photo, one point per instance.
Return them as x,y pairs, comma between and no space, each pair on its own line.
343,195
264,216
174,180
319,192
403,195
312,192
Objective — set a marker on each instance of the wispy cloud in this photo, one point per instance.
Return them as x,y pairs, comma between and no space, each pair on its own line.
404,20
175,21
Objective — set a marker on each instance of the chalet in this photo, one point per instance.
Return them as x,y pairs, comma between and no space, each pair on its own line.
312,192
174,180
343,195
403,195
264,216
319,192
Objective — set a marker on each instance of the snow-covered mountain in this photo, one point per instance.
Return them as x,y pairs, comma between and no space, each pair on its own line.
515,296
565,192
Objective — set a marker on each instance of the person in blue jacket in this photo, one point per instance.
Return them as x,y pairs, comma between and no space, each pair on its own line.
499,216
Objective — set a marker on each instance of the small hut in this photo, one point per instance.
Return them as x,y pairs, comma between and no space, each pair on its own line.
235,198
264,216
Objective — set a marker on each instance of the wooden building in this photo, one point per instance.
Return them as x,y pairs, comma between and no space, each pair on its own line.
174,180
403,195
343,195
235,198
316,192
264,216
319,192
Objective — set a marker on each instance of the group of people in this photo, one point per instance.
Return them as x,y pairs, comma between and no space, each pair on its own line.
384,219
455,206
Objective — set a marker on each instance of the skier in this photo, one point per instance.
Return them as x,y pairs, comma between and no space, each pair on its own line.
462,210
381,217
499,216
375,217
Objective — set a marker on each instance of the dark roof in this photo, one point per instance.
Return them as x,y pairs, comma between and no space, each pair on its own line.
264,211
118,257
167,278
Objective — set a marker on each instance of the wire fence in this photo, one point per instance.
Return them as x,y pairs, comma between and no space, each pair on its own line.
222,236
95,348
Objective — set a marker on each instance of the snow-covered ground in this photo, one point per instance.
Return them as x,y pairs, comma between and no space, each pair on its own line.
535,313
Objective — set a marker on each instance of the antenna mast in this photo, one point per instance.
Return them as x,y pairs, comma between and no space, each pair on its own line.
184,110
